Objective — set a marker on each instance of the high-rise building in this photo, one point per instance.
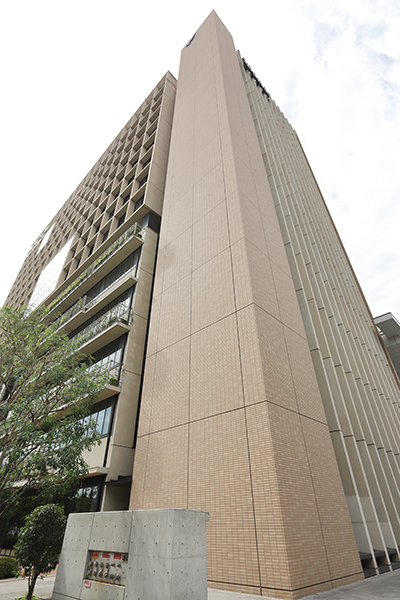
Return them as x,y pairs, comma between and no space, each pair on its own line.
262,391
93,265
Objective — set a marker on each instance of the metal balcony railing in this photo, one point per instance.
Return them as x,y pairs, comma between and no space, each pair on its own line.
73,310
117,314
86,302
135,230
113,370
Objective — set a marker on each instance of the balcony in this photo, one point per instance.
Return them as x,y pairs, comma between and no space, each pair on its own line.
85,307
73,311
115,322
113,370
100,266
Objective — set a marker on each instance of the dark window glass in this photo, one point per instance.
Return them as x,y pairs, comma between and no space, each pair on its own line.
102,413
139,202
121,220
143,181
146,163
87,497
113,352
105,235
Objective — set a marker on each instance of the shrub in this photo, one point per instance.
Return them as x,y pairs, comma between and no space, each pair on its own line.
8,568
39,543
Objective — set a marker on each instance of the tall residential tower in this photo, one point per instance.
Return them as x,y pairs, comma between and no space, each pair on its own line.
261,391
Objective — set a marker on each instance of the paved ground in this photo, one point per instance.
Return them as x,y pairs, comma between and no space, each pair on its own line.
384,587
15,588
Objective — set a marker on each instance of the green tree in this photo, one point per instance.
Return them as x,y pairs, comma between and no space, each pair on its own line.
46,391
39,543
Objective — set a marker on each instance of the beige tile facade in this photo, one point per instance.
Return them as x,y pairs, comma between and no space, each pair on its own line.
232,418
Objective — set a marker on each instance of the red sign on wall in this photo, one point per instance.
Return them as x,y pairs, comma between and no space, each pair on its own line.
117,556
87,583
106,555
95,555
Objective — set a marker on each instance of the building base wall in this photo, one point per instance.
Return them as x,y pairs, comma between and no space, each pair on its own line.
149,555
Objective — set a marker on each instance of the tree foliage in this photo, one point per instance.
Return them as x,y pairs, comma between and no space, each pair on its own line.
46,390
39,543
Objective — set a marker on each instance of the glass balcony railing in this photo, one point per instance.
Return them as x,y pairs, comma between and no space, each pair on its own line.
135,230
117,314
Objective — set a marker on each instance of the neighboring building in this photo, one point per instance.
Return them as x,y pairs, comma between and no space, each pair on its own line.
390,331
267,390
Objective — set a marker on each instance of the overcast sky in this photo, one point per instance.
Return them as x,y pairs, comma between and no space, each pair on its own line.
74,72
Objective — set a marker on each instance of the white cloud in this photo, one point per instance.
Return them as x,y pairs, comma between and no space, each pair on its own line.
74,73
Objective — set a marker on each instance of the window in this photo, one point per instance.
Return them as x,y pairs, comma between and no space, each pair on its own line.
112,354
102,413
131,179
146,163
90,250
126,199
105,235
87,497
121,220
139,202
143,181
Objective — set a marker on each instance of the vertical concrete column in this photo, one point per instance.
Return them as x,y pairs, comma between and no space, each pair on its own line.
232,420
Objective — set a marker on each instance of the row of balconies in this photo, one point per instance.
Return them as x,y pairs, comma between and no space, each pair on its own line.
100,266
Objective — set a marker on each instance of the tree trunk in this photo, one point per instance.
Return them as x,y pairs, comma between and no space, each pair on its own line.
31,584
